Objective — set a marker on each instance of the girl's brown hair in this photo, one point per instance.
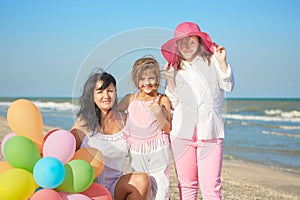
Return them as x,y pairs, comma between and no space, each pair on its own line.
143,64
202,52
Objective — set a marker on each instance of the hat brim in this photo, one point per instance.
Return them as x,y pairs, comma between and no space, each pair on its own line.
169,49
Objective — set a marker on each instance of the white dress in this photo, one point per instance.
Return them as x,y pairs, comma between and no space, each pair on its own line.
114,149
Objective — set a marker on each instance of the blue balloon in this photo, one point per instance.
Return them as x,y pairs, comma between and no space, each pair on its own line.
49,172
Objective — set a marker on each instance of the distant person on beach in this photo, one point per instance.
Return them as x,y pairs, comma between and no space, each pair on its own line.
197,75
148,126
99,126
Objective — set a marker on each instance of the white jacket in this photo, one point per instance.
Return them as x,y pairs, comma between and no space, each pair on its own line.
198,99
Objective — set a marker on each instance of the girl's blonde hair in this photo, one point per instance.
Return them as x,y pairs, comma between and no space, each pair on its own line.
143,64
202,52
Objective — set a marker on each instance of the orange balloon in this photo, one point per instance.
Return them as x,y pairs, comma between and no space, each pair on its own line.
25,119
92,156
4,165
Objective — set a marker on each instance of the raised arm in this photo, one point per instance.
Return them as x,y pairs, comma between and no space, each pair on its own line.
124,103
162,112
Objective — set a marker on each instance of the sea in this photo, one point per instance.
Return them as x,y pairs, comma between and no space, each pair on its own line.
263,131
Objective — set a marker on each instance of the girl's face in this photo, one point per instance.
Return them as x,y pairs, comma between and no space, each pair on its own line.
188,47
148,81
105,98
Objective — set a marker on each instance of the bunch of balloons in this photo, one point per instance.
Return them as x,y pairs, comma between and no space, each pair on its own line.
39,167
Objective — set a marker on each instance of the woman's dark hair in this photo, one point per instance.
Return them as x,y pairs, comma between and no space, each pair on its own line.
88,110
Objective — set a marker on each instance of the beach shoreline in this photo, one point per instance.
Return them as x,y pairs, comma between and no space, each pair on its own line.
240,179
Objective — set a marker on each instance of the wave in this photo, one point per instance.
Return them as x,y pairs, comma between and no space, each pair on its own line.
47,106
61,106
261,118
281,134
285,114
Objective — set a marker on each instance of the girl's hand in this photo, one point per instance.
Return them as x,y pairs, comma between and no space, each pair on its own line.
170,77
220,55
156,108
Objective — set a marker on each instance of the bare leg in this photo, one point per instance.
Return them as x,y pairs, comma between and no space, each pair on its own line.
133,186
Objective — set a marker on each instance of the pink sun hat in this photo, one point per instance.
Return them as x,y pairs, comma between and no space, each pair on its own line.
185,29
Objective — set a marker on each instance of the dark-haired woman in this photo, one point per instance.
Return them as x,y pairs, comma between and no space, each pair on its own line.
99,126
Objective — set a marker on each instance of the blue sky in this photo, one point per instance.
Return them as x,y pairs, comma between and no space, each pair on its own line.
44,44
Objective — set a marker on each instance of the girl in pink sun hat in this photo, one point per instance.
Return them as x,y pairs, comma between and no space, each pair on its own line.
197,76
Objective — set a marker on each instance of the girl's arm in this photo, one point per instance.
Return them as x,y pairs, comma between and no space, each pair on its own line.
169,73
162,112
124,103
225,75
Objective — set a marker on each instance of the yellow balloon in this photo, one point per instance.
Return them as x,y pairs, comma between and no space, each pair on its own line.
92,156
17,184
25,119
4,165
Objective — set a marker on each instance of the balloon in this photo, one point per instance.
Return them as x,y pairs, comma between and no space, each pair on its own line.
97,192
79,176
46,194
92,156
25,119
70,196
49,133
16,184
6,137
21,152
60,144
4,165
49,172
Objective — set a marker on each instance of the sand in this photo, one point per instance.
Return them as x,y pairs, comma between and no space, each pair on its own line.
241,180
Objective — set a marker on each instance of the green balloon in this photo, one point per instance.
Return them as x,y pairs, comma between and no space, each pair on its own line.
21,152
79,176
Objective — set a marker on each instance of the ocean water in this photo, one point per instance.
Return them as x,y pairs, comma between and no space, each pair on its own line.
265,131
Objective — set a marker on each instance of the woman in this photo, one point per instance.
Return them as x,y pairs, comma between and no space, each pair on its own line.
99,126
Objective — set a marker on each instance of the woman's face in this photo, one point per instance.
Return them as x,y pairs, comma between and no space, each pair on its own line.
104,98
188,47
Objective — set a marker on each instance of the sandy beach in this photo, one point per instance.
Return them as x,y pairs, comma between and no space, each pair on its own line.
241,180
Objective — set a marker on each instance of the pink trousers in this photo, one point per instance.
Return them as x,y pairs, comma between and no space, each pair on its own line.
198,162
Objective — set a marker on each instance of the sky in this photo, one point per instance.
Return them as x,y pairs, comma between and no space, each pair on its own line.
48,48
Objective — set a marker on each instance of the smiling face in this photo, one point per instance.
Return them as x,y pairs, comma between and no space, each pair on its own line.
188,47
104,98
148,82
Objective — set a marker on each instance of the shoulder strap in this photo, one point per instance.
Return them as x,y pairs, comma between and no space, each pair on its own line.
158,98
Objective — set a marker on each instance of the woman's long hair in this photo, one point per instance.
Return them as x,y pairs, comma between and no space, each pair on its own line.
88,110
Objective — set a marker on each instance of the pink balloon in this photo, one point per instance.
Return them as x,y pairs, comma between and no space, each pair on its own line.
97,192
73,196
60,144
6,137
46,194
49,133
